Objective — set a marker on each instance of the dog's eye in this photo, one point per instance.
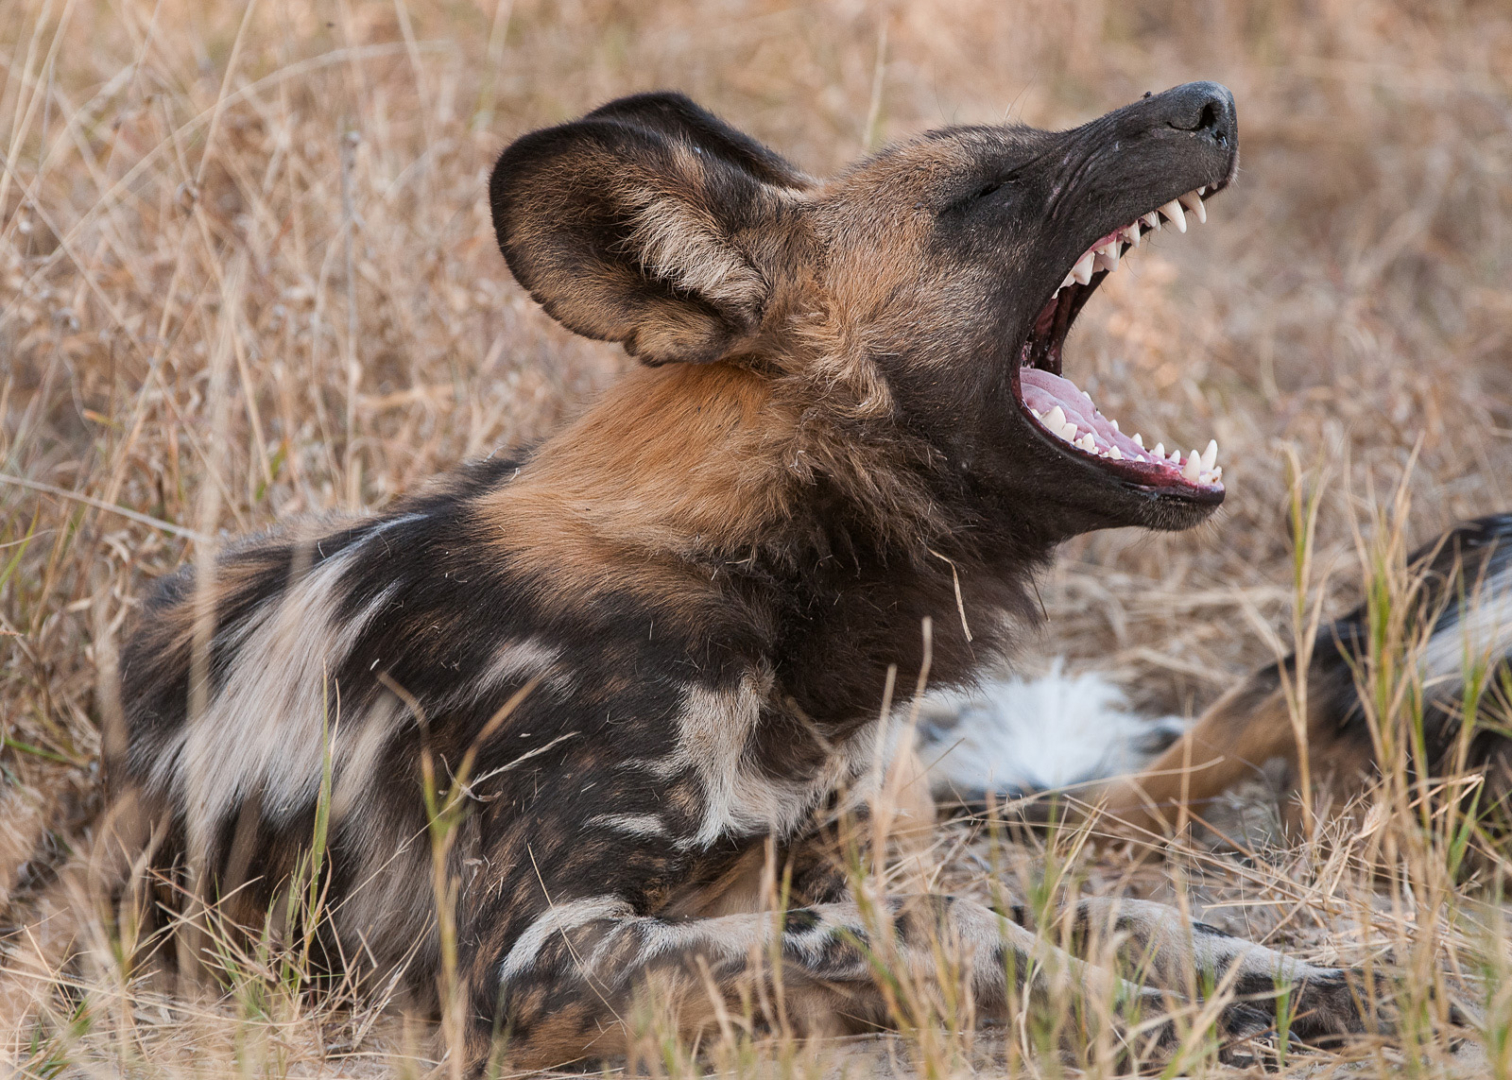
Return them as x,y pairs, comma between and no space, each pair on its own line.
970,198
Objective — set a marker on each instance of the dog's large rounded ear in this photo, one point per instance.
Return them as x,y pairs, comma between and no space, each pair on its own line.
645,222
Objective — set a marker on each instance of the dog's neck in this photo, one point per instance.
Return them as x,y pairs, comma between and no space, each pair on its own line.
687,485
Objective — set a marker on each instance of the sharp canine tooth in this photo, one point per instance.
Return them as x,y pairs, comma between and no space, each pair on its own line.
1210,455
1193,202
1172,210
1160,450
1139,440
1055,419
1152,219
1107,256
1082,271
1116,454
1189,471
1132,234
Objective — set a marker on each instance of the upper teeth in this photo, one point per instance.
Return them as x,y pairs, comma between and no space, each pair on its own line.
1195,468
1106,256
1081,273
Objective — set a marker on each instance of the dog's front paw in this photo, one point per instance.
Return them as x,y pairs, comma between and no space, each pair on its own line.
1331,1005
1159,1039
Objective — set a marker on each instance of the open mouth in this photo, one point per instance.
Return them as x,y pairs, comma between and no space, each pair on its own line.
1065,412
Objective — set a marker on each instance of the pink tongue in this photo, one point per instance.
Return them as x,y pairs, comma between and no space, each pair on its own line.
1043,391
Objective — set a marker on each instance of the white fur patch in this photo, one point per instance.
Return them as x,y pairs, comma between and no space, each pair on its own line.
515,662
358,751
714,729
1477,633
1030,734
560,919
263,731
647,825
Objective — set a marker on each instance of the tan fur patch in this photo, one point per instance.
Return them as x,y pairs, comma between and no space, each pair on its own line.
675,463
1238,734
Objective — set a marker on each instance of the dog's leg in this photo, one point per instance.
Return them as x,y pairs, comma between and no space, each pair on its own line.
569,987
1247,727
1241,732
1158,946
901,814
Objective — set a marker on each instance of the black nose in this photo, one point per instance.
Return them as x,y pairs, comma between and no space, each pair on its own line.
1204,108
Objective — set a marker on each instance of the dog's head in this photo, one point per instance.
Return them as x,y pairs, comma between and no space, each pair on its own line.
929,288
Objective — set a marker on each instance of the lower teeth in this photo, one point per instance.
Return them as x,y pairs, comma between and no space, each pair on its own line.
1196,467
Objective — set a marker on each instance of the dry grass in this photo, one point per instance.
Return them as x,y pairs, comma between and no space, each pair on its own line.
246,273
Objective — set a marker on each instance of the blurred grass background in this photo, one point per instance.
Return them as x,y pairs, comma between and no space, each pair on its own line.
247,273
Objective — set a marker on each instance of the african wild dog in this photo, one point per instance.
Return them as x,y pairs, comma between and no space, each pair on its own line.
851,419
